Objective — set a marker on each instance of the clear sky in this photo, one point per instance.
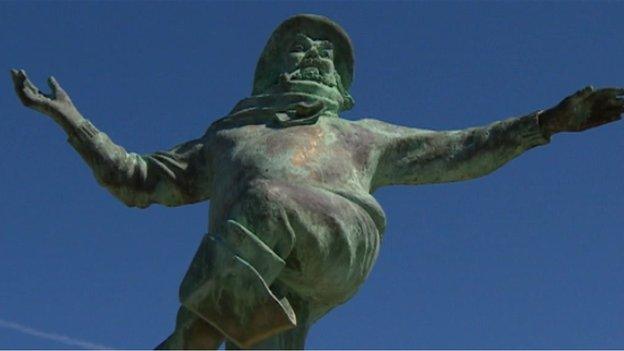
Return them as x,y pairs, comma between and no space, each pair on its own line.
530,256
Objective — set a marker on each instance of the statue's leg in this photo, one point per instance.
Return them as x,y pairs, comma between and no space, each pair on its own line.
228,286
193,333
291,339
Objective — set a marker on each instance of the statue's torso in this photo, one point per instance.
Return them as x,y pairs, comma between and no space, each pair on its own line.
332,155
305,191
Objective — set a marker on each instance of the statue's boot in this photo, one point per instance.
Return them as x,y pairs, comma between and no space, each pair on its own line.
227,285
291,339
192,333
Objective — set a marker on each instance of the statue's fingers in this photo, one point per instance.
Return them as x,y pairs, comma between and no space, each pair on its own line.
613,104
19,77
27,83
605,116
610,92
23,87
32,91
605,98
612,98
18,82
15,76
37,94
28,92
57,91
24,78
606,105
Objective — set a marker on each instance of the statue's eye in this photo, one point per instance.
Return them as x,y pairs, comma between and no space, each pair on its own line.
297,48
326,53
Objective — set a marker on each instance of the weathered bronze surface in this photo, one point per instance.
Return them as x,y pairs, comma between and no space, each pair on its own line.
294,229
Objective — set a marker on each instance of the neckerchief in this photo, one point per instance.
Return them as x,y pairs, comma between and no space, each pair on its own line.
279,110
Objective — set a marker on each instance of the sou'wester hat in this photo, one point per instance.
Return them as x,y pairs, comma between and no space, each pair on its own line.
314,26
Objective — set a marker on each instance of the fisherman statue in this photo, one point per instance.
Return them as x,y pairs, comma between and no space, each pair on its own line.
293,228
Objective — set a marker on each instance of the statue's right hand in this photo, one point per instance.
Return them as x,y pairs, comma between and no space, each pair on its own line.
585,109
56,105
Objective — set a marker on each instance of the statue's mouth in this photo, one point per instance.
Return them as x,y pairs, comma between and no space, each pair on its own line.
311,71
313,62
313,74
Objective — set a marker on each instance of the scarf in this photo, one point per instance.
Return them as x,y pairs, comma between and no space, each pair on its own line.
279,110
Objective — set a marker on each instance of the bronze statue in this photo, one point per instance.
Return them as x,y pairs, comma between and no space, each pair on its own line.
294,229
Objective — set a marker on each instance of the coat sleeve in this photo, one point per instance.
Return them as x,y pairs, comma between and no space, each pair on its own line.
417,156
174,177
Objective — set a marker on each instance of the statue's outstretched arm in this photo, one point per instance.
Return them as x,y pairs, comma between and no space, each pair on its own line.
414,156
168,178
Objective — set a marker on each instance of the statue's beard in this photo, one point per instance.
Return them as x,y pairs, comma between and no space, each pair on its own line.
314,73
315,78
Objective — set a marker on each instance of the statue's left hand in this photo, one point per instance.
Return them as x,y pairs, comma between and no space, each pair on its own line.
587,108
57,105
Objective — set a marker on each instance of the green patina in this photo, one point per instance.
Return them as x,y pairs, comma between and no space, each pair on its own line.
293,228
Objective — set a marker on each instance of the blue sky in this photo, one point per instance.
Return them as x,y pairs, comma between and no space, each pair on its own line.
530,256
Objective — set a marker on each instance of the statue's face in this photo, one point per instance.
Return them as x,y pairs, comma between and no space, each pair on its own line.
307,66
311,60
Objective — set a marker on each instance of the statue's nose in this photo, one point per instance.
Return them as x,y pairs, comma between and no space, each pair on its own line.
312,52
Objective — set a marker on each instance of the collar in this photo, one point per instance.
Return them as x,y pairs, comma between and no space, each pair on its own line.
279,110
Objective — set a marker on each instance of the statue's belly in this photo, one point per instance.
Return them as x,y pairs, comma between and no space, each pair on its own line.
329,243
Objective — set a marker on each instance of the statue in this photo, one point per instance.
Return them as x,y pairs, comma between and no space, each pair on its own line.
293,227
